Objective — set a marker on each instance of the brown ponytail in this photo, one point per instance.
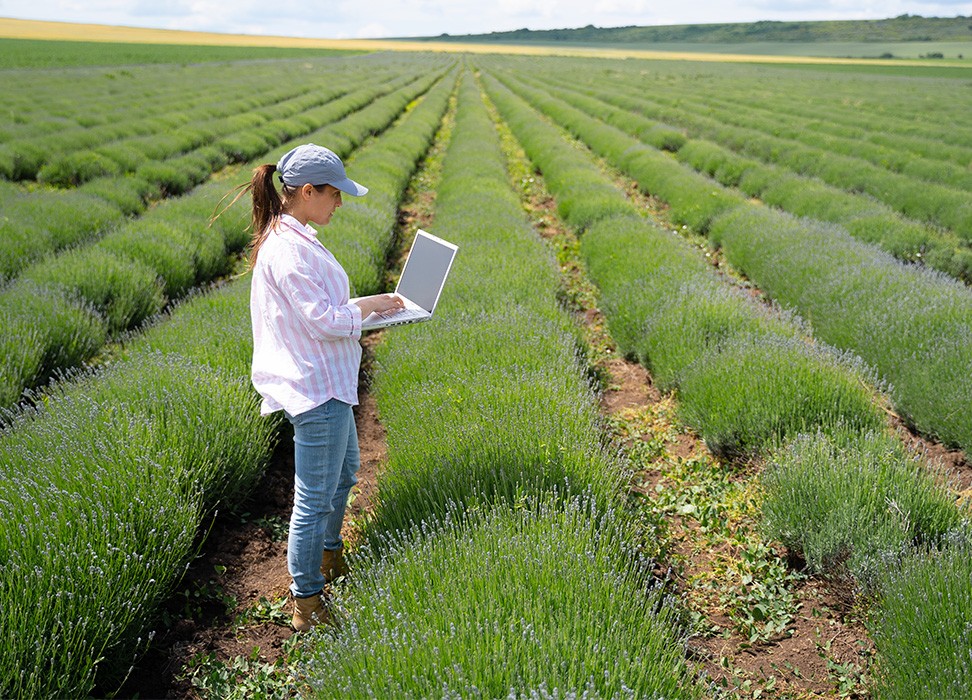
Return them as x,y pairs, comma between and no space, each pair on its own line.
267,207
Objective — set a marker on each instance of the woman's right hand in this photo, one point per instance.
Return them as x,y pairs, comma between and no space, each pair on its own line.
379,303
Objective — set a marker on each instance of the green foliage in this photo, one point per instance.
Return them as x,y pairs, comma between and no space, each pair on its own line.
187,329
502,411
478,432
921,628
34,53
126,292
694,199
173,180
876,166
50,330
362,236
126,286
846,501
165,249
787,384
913,326
128,194
35,224
20,359
902,28
749,393
527,600
20,245
72,169
163,438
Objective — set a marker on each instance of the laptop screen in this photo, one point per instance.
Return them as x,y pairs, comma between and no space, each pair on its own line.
426,269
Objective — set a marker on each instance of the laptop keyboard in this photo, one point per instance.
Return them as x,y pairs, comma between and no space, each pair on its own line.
401,314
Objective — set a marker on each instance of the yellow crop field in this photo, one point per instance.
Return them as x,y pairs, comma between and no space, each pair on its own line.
66,31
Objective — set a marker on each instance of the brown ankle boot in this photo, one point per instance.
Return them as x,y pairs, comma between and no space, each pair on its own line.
333,565
308,612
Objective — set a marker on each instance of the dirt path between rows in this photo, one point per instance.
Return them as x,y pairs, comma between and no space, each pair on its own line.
821,642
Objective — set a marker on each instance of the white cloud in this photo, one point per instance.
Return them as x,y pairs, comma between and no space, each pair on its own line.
375,18
370,31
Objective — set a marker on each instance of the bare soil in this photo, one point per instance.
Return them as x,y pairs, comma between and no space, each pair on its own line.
823,633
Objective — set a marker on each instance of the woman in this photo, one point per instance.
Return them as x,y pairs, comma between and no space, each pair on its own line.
306,356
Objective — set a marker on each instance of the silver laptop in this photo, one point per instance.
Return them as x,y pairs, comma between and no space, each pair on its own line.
421,283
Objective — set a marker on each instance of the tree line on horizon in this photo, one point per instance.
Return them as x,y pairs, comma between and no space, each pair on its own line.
901,28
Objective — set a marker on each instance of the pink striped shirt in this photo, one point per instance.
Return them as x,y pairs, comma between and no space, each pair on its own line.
305,333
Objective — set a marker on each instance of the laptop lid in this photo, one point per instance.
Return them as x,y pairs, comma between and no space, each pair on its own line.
426,268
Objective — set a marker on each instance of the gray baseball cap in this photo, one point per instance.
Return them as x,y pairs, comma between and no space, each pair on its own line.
316,165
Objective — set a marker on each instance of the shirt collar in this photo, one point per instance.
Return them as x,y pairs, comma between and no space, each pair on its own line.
292,223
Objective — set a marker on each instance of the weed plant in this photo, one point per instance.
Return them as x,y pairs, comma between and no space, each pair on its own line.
532,600
846,502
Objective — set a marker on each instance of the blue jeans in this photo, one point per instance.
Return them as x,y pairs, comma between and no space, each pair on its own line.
326,461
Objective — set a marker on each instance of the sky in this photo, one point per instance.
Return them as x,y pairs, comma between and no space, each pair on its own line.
360,19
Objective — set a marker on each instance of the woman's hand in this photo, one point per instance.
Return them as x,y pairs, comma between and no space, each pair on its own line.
379,303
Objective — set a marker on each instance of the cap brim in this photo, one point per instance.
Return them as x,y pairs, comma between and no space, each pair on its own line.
349,186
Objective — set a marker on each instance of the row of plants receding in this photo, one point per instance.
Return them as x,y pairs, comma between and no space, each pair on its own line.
112,473
856,106
913,325
945,205
121,179
884,119
59,313
840,489
921,159
864,217
498,561
943,170
58,115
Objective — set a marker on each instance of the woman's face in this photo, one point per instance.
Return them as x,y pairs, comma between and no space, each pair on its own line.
322,204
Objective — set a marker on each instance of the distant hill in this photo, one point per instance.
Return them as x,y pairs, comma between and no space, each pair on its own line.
896,29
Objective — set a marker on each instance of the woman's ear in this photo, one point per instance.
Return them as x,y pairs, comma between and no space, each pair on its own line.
306,189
